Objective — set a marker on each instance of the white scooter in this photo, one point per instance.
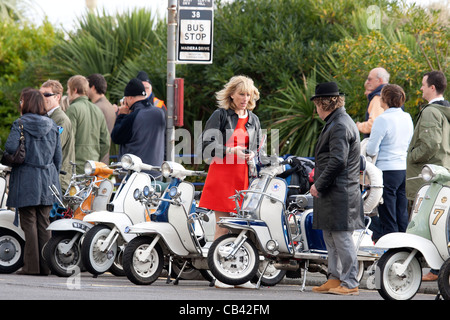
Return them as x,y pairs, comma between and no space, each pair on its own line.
103,244
264,226
171,234
86,193
398,273
12,237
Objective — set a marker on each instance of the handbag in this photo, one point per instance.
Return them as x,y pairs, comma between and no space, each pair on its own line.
16,159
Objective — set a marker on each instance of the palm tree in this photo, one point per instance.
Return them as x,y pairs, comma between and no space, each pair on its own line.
116,46
13,10
299,125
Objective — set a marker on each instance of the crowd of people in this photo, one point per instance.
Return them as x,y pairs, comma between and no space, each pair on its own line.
60,130
85,129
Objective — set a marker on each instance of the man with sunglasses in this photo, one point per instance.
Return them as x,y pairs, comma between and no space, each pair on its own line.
52,91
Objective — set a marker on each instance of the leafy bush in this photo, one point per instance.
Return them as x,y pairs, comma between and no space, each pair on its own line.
21,46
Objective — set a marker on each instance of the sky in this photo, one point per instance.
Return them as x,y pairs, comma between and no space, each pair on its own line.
65,13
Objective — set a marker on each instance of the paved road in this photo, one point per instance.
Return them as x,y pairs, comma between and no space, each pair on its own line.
109,287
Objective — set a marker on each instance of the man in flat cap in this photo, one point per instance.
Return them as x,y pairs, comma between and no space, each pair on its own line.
337,197
140,127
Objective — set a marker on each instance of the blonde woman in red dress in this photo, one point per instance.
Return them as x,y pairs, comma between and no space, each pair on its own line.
230,138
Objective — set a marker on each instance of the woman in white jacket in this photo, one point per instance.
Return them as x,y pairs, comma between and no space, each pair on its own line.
389,139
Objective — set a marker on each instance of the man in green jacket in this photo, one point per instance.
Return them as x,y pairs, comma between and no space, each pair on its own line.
88,123
430,142
52,91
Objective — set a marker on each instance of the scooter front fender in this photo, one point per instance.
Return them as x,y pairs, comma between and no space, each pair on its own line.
167,232
114,219
7,222
70,225
258,227
407,240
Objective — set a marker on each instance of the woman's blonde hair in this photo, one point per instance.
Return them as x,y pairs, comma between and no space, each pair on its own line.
240,84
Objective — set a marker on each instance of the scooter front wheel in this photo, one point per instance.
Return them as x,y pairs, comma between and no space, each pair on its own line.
62,264
394,286
94,259
142,271
444,280
11,251
237,269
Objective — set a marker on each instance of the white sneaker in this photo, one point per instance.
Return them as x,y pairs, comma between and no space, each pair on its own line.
247,285
219,284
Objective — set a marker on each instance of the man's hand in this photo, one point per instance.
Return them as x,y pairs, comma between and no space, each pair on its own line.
314,191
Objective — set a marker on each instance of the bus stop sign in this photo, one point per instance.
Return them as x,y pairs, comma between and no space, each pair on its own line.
195,31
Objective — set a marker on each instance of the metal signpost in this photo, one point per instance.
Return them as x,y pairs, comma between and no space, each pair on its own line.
189,41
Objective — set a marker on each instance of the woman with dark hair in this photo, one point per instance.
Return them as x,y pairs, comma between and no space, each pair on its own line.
391,133
29,182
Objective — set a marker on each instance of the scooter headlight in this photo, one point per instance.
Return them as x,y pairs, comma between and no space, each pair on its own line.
166,169
126,161
427,173
136,194
73,190
173,192
271,245
147,191
89,167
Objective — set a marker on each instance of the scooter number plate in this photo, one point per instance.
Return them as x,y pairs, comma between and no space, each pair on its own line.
80,226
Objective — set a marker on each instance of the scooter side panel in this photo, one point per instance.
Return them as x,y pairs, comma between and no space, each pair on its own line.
167,232
406,240
70,225
439,222
7,221
314,237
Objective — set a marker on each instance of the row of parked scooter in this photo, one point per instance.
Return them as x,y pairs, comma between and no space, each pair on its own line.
145,225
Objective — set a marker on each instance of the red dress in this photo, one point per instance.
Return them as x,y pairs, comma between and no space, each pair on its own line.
227,175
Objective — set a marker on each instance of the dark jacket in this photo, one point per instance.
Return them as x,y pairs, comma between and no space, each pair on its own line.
29,183
336,175
142,133
219,128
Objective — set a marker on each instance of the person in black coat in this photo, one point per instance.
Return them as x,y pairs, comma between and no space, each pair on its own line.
336,191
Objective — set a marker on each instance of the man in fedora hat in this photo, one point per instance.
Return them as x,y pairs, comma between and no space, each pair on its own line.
337,197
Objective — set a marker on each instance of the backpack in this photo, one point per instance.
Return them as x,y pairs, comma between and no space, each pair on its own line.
297,175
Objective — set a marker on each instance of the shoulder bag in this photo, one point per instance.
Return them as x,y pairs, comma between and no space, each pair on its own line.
16,159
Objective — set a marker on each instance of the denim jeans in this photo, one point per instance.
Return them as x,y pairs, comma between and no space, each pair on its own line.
394,210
